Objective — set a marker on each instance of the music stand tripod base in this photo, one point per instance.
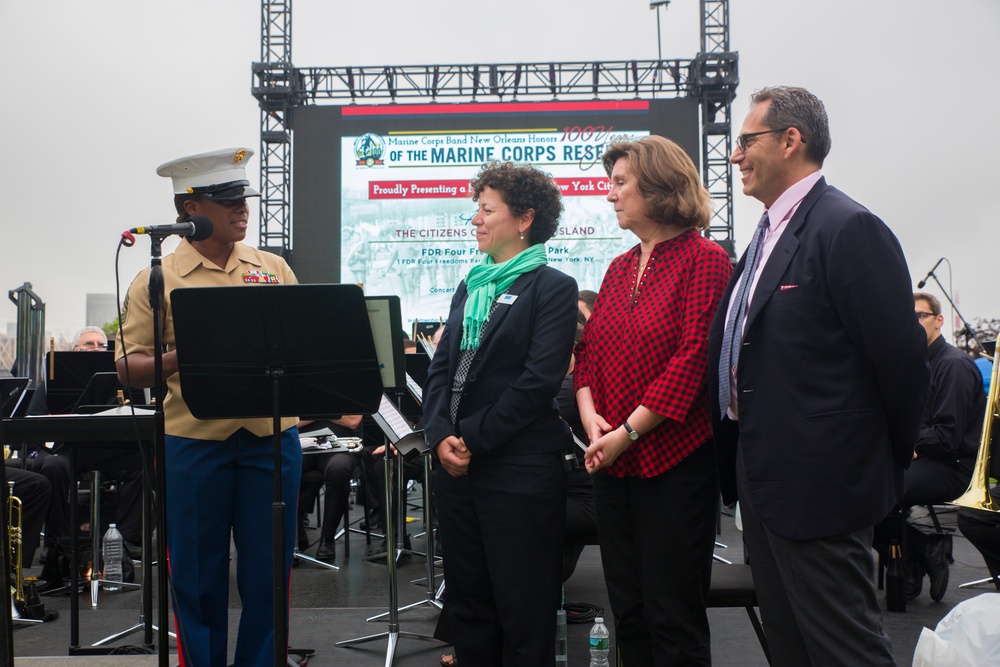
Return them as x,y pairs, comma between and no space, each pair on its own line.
393,634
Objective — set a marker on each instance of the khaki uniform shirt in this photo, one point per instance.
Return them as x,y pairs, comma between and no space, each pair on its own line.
186,267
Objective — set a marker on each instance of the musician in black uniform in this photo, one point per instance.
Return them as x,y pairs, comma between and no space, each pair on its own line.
944,454
54,466
337,469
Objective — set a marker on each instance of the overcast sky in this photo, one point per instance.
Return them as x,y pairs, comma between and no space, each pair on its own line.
97,94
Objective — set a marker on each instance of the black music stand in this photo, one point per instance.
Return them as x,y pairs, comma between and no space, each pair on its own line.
405,443
409,447
273,351
68,374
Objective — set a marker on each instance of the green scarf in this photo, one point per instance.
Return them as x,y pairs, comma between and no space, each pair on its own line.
488,279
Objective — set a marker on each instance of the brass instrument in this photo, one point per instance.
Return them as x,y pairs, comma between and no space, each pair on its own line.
324,440
977,496
350,444
14,536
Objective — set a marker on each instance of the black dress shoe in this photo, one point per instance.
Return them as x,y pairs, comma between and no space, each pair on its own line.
325,551
935,559
377,552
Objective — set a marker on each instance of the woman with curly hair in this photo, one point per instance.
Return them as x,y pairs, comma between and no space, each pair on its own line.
490,415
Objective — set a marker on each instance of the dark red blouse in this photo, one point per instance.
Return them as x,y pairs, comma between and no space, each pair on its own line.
653,350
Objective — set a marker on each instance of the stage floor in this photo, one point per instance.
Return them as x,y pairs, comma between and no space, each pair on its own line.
331,606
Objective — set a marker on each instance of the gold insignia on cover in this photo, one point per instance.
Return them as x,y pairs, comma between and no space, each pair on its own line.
241,155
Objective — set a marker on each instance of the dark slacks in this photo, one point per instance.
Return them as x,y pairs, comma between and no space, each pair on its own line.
657,537
217,491
502,529
817,598
337,469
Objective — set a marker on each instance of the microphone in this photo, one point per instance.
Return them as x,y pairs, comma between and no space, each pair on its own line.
930,273
195,228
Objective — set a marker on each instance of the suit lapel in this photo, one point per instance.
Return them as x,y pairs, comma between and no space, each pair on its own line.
500,313
782,253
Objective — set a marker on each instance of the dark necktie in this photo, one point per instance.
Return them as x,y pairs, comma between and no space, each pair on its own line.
733,332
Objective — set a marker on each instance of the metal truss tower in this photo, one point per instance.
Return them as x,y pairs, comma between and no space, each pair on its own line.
711,78
716,79
276,87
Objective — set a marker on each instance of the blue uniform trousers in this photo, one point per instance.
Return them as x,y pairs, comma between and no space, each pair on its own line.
216,489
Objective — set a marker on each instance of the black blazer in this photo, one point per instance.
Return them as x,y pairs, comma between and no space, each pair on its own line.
832,374
508,405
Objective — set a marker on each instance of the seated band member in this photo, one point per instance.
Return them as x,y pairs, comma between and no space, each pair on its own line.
944,455
54,465
220,472
337,469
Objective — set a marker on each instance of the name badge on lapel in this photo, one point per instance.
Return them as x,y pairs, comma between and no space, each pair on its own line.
507,299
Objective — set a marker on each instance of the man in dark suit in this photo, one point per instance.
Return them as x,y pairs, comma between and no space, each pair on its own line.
818,377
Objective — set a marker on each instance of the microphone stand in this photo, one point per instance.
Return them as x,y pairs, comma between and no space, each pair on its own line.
967,330
159,450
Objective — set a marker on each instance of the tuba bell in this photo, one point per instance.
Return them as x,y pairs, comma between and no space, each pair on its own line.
977,496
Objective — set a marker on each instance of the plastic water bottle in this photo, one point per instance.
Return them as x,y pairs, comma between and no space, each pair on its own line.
600,643
561,645
113,545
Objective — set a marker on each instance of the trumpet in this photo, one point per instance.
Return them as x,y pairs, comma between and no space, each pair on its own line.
977,496
14,537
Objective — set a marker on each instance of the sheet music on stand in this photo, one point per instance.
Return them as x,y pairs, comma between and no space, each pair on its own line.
415,390
401,435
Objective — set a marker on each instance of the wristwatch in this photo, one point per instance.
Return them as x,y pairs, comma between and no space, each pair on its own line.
633,435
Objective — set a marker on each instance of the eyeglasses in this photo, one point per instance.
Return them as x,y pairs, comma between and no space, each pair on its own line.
741,141
923,316
91,344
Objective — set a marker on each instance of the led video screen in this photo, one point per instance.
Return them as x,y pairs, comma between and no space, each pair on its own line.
381,196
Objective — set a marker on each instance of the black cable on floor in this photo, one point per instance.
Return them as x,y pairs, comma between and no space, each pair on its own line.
582,612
